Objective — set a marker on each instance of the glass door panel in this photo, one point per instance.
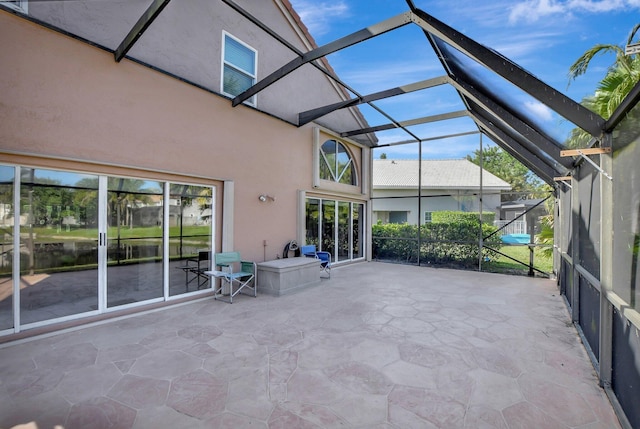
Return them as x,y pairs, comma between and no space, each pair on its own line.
328,227
358,229
344,242
58,244
312,216
134,240
341,228
190,234
6,246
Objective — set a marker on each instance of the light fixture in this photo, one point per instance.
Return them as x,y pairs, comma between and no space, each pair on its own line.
265,197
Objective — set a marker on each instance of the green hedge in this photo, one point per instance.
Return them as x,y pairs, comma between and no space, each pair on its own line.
453,242
451,216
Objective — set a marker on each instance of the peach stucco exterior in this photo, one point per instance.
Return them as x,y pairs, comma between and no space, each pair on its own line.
64,100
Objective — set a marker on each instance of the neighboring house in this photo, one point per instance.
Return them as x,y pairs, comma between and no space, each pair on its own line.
452,184
131,130
513,219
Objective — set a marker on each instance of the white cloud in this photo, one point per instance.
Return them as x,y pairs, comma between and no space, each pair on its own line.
521,45
539,110
375,77
534,10
318,16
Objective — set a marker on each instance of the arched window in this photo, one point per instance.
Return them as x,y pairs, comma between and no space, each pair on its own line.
336,164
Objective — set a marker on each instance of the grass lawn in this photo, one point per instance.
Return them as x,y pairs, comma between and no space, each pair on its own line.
53,234
521,253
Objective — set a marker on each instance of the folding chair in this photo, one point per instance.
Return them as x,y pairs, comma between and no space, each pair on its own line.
309,250
197,267
244,278
325,262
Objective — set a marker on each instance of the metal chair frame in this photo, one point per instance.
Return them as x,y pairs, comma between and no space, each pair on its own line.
245,278
309,250
197,270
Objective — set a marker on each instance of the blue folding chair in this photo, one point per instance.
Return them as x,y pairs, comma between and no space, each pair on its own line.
325,262
309,250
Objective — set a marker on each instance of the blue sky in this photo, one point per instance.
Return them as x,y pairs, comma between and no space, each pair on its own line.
543,36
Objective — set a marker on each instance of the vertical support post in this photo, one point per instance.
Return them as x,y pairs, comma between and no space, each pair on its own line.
606,268
16,245
227,216
575,244
531,230
103,245
301,219
165,233
419,199
480,197
31,243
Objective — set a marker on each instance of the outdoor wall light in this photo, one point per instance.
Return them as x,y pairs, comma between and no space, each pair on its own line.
265,197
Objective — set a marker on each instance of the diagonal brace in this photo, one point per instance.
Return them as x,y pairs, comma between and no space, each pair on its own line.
408,123
329,48
139,28
310,115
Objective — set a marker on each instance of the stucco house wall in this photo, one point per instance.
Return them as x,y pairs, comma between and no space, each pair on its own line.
186,40
432,200
446,184
69,104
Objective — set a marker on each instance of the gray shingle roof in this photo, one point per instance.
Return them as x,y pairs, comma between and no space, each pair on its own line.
436,174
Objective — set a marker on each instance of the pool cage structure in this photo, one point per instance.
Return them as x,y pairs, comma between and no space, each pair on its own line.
595,185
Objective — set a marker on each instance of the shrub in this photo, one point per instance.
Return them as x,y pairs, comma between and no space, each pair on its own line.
454,216
452,239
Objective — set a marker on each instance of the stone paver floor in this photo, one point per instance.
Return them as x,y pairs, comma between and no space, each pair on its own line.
376,346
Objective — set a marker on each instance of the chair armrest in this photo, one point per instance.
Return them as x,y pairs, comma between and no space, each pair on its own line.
251,264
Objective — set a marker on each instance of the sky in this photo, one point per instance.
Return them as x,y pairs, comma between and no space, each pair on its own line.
545,37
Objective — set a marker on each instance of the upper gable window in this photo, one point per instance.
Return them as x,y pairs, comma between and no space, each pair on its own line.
336,164
238,67
19,5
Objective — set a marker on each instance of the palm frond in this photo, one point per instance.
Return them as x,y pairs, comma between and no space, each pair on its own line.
632,34
580,66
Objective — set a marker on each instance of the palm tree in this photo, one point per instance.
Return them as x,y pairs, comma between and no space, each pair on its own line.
621,77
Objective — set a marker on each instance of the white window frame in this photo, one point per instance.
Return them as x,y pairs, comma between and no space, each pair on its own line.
253,101
429,220
19,5
334,170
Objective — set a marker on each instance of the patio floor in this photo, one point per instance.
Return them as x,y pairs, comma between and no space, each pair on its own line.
376,346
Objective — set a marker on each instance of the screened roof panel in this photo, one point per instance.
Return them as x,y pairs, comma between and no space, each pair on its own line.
552,159
408,49
387,64
515,100
436,100
446,127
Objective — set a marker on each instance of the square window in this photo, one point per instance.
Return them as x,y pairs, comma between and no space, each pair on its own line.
19,5
397,217
238,67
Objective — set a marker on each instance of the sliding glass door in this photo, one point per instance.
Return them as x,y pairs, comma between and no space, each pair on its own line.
58,244
79,244
335,227
190,234
134,240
